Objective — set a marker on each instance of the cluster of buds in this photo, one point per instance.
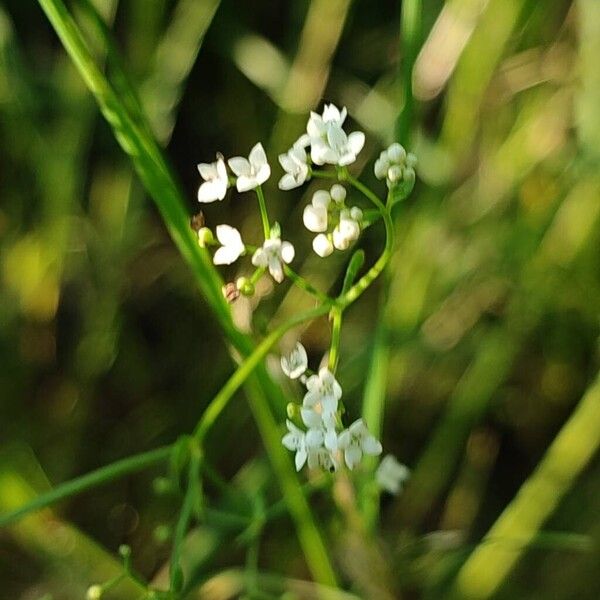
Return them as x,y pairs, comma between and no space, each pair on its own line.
336,225
395,165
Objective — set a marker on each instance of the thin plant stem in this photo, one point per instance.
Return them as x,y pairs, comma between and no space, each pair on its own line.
264,217
96,478
336,328
220,401
367,279
305,285
410,40
183,523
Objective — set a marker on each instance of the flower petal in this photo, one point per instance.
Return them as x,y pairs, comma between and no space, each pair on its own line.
259,258
300,458
257,157
245,183
226,255
209,191
371,446
288,182
239,165
207,171
356,141
287,252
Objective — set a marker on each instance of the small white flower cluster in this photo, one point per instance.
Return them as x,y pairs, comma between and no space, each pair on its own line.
325,441
329,144
395,165
250,173
336,225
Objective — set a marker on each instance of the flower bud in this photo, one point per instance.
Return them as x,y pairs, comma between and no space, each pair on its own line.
197,221
394,173
293,410
338,192
230,292
408,175
205,237
411,160
396,153
162,533
380,168
315,218
124,551
356,214
346,232
162,486
245,286
321,198
322,245
94,592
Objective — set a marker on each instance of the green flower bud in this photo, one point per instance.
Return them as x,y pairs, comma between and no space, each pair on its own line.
245,286
205,237
293,410
94,592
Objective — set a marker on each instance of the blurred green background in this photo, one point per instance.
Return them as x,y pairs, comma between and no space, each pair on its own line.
490,328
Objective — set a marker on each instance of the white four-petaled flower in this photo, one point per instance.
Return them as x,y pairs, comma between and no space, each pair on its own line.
252,171
329,143
320,403
305,445
356,441
215,181
391,474
295,165
273,254
231,245
295,364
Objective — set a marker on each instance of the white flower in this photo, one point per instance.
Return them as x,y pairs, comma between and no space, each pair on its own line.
347,230
396,153
304,444
336,147
295,364
252,171
320,403
321,198
322,245
328,141
215,181
356,441
273,254
315,218
295,165
321,457
338,192
318,124
391,474
232,246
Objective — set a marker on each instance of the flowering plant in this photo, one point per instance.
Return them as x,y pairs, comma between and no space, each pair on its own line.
324,442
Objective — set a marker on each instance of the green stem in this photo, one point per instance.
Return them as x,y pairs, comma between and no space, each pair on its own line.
367,279
410,37
183,523
263,212
94,479
220,401
305,285
336,328
158,180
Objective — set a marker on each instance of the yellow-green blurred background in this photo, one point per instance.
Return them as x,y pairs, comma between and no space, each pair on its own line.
107,349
